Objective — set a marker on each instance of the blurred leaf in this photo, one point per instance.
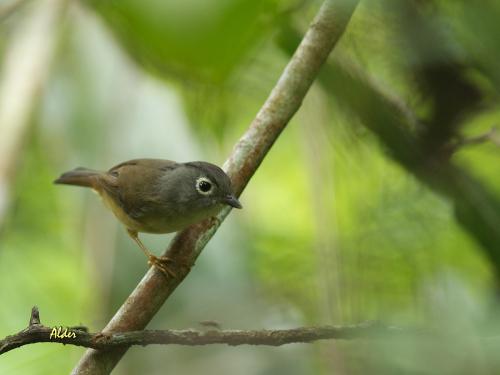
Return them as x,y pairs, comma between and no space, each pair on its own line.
195,39
477,29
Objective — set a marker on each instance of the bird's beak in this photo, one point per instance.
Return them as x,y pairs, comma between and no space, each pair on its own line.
232,201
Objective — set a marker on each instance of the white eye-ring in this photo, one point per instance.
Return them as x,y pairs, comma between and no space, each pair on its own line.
204,186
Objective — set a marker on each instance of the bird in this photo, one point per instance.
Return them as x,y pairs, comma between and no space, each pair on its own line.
158,196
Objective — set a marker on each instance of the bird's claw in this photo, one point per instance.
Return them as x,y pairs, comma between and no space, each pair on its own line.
162,264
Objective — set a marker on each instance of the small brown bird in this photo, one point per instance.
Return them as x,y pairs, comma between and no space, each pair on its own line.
158,196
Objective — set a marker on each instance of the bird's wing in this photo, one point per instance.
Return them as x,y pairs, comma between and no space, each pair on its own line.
160,164
134,184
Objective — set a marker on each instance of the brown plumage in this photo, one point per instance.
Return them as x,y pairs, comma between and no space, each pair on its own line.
157,196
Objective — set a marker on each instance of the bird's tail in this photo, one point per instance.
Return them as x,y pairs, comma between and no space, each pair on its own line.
80,177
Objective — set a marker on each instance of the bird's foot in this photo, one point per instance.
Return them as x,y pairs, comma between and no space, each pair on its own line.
162,263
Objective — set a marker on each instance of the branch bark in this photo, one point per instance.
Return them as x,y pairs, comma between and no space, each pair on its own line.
78,336
248,153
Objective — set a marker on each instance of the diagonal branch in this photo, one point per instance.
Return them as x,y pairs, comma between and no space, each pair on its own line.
78,336
248,153
476,207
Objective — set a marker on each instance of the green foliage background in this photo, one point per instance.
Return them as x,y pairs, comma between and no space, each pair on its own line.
334,231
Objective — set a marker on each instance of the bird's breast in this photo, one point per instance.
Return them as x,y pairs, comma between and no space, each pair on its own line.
159,220
119,212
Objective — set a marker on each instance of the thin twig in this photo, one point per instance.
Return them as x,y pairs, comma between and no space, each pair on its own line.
78,336
285,99
476,206
490,136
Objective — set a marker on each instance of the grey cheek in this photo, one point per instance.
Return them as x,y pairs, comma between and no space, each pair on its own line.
216,208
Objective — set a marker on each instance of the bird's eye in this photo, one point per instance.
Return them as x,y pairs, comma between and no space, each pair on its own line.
204,185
